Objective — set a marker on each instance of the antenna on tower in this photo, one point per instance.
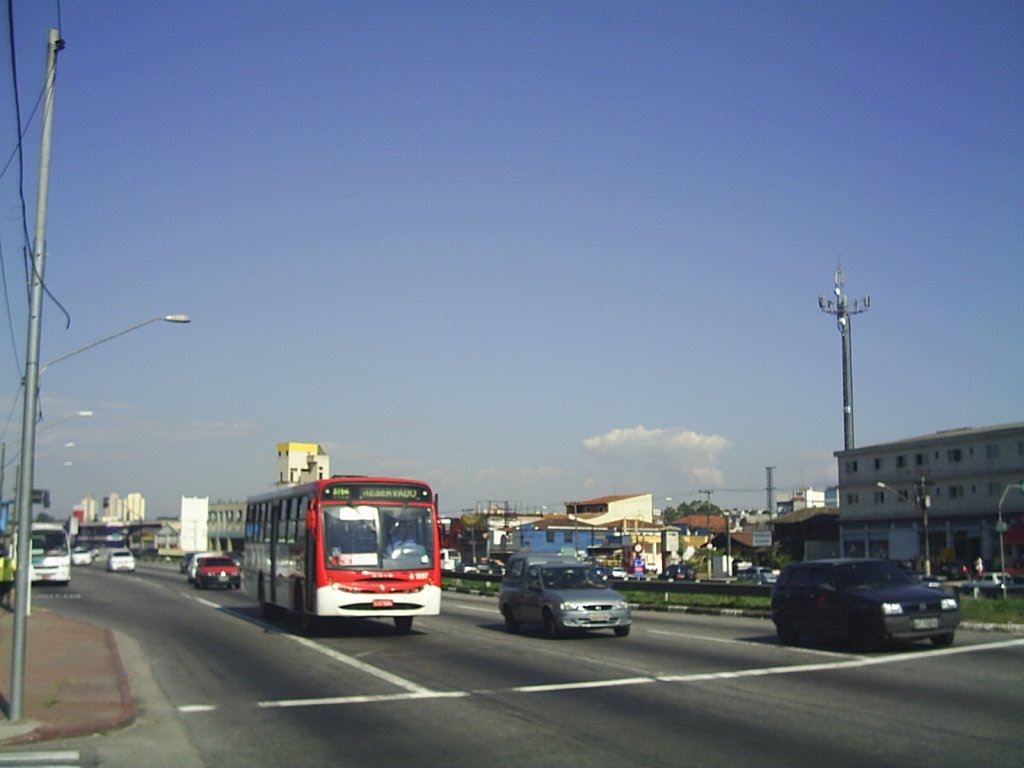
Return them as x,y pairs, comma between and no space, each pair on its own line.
841,308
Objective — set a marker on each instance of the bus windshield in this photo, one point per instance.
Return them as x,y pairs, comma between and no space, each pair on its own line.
49,543
386,538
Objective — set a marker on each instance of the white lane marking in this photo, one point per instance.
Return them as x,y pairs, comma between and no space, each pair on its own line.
834,665
710,639
343,658
26,758
363,699
577,686
190,708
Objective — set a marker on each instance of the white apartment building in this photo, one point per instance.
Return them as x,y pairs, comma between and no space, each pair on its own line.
301,463
963,474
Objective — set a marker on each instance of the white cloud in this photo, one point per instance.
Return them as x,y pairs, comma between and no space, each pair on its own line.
639,458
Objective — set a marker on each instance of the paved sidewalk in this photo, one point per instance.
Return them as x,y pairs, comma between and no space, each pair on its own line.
75,683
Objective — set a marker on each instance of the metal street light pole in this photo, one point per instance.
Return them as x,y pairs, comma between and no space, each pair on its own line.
31,381
1001,530
923,502
164,318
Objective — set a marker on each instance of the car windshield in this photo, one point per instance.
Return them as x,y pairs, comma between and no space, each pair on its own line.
121,553
571,577
870,574
388,538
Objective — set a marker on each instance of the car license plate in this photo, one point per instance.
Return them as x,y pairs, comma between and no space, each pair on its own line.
383,603
931,622
602,617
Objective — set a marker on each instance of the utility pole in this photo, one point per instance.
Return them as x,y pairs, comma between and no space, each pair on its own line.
840,307
924,501
707,510
31,382
770,471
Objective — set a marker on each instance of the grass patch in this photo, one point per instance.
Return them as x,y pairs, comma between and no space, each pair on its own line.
697,600
992,610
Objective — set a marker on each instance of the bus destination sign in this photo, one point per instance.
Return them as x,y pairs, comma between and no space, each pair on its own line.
363,492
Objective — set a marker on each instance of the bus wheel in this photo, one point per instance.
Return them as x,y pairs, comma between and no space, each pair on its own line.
403,624
307,621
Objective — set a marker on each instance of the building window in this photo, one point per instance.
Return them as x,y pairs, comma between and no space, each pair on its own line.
852,498
920,459
550,536
851,466
901,461
953,455
878,463
956,491
991,451
879,497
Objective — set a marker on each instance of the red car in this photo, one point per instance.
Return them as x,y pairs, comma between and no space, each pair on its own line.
217,571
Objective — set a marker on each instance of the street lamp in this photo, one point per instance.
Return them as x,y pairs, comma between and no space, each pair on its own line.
129,329
923,502
26,481
1001,530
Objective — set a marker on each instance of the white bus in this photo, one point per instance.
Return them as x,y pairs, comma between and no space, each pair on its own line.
51,554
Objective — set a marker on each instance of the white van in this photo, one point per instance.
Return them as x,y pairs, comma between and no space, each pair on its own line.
451,559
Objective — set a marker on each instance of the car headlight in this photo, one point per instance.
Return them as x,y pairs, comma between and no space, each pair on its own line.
949,604
892,609
621,605
570,606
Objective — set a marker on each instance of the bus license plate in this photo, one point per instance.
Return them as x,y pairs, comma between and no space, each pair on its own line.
932,622
383,602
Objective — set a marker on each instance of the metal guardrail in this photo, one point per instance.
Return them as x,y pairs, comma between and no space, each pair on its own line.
736,589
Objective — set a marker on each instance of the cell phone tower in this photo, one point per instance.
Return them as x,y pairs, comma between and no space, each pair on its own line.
841,308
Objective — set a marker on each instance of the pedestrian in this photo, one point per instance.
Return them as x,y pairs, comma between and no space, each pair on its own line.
979,568
6,578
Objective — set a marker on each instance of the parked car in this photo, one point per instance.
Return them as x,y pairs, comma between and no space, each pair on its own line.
120,560
758,574
619,572
217,571
81,556
866,602
560,596
679,572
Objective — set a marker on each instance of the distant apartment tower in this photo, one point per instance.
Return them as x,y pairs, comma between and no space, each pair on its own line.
301,463
129,509
88,507
134,507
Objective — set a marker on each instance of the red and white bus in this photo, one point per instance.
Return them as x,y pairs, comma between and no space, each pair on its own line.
350,546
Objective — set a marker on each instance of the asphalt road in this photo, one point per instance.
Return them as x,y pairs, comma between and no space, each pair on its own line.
229,689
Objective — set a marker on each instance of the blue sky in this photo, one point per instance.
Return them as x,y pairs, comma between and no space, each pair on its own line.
531,251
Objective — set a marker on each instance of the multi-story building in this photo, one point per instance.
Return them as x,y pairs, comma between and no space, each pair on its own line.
301,463
949,484
225,526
